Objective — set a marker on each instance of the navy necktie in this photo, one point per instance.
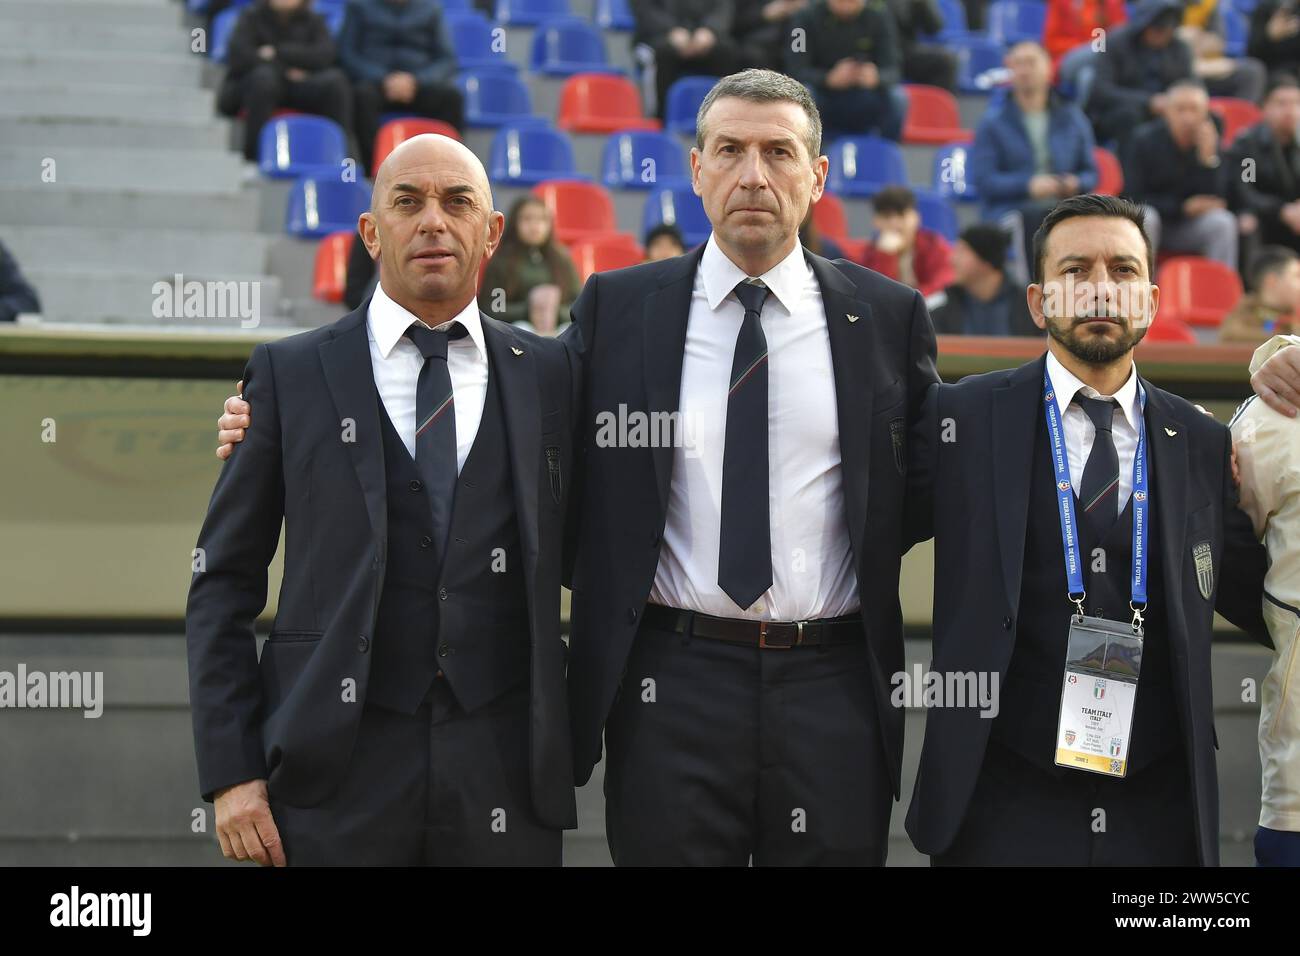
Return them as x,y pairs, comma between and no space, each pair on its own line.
435,426
1099,495
745,543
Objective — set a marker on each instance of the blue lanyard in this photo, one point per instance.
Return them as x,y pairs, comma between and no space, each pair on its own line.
1065,503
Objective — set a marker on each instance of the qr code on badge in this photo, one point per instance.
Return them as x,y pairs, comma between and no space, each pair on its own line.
1114,766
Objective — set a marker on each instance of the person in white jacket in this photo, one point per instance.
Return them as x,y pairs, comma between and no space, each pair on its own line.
1268,454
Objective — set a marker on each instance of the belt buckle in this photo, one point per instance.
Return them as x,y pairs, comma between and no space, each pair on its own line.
764,645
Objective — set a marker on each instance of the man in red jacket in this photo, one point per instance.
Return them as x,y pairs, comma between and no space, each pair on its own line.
902,249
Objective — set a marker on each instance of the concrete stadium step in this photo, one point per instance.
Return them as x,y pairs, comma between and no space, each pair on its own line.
75,97
172,170
166,251
53,66
89,208
113,133
110,12
89,36
72,293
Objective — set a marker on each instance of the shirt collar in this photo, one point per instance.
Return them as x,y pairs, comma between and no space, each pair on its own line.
388,322
1065,384
721,275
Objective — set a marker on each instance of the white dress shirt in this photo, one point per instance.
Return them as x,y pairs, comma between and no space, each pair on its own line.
397,363
812,564
1080,431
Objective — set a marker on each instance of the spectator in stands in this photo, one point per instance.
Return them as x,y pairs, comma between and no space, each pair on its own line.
923,62
16,294
281,56
1203,31
399,56
1270,307
811,238
902,249
688,37
1142,58
762,31
1271,193
983,299
1031,150
1274,37
663,242
851,60
1173,167
530,280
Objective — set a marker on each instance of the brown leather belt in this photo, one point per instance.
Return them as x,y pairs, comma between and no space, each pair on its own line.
769,635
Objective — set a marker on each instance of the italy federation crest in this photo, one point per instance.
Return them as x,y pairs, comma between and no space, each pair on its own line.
1099,689
1204,568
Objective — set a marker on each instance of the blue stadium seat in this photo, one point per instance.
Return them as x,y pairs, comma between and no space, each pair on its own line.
563,46
1236,31
321,205
624,164
526,154
223,25
1010,21
452,6
492,99
471,38
292,146
863,165
951,178
678,205
937,214
954,20
529,13
333,19
614,15
975,55
684,99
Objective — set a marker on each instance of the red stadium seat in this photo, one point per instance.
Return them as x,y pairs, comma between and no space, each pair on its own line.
1236,114
1196,291
615,251
1110,175
932,117
398,131
601,103
331,273
1166,329
829,217
580,210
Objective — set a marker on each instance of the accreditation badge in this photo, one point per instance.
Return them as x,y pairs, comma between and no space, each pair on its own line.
1102,663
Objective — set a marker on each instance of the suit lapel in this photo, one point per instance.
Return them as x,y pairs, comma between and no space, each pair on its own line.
1017,411
345,359
513,372
852,359
1168,455
665,314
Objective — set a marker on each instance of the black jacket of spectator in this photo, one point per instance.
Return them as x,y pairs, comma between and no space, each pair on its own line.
949,318
301,41
1157,172
1129,73
915,20
16,294
1275,54
870,37
1275,180
655,19
379,38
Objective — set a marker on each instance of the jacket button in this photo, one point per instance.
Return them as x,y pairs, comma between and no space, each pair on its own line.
363,645
438,675
442,594
426,542
444,649
631,614
1006,623
415,484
